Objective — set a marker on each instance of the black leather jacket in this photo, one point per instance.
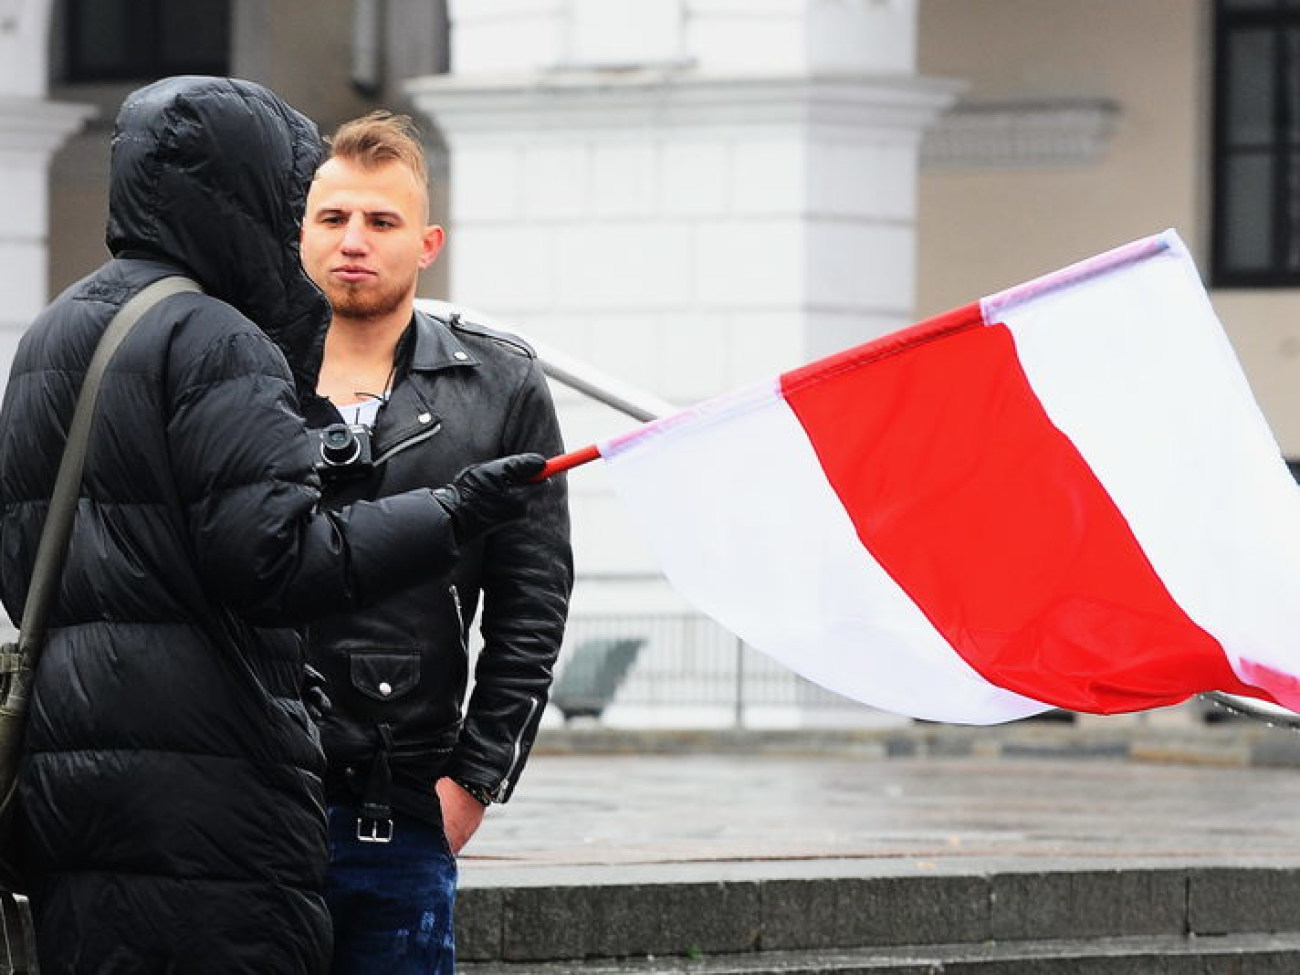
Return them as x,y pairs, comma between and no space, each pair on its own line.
397,672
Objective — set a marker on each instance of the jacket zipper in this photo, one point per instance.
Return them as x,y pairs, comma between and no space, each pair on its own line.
397,448
460,619
517,753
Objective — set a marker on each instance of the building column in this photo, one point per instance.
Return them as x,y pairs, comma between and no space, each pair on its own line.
30,132
689,195
31,129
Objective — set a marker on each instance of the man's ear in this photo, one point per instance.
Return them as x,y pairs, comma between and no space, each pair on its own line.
434,238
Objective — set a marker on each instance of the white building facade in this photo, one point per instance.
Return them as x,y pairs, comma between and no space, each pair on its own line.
693,195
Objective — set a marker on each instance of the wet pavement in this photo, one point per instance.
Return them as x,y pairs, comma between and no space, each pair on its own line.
894,801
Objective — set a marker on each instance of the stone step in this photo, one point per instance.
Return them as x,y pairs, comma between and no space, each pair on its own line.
1257,954
868,912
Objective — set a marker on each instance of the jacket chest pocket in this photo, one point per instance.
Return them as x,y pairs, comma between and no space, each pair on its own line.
384,675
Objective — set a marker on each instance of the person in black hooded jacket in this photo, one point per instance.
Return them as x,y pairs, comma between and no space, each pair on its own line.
171,783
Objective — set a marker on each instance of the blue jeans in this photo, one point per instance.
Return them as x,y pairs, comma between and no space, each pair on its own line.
391,903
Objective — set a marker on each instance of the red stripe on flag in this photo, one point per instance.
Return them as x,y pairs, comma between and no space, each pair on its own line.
988,517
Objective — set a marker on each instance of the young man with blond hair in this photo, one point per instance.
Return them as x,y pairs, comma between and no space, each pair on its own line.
412,766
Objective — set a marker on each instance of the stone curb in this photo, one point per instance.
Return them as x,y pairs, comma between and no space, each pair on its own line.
1154,955
1240,742
611,920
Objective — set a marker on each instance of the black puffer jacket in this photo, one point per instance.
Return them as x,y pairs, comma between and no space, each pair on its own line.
172,783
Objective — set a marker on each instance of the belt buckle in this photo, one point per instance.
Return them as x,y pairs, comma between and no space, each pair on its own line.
380,830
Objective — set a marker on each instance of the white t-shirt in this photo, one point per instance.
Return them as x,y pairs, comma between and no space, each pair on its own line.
364,411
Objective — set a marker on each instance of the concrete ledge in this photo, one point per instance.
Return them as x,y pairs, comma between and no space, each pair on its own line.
1237,742
1162,955
1236,900
818,913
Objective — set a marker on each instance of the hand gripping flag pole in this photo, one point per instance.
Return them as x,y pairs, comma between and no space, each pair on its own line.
565,462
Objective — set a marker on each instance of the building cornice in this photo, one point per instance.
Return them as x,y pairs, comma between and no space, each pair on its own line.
897,107
1031,134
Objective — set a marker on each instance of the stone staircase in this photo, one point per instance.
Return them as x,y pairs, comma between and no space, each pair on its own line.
1120,917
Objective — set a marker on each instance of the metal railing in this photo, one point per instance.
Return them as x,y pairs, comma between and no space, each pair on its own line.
690,670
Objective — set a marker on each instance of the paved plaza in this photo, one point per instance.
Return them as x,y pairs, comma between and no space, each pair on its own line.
924,799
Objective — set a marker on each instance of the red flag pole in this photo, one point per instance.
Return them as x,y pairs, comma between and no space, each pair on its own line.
564,462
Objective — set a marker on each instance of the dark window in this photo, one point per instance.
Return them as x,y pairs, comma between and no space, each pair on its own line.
140,40
1257,144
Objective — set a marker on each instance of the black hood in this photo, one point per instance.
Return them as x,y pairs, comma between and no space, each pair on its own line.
212,174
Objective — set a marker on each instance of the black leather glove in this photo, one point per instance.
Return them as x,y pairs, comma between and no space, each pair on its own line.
488,494
314,698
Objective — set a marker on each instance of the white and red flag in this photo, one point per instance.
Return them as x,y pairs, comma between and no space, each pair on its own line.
1063,495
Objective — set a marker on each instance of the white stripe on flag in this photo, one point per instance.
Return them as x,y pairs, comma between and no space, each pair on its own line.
1134,367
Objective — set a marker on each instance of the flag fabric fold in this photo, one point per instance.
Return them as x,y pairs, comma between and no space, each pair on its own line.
1063,495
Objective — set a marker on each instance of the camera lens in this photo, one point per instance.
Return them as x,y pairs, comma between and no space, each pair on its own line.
339,445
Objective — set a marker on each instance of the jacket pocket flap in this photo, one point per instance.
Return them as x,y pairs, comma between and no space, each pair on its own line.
384,675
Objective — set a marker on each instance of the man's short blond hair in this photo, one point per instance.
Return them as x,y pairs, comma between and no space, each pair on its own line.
380,137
